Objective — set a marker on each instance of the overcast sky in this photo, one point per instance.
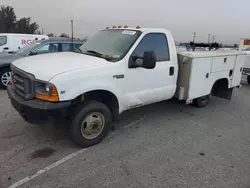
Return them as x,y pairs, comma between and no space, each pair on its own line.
228,20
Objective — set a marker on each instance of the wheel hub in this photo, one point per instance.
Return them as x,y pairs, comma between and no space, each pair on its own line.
92,125
6,78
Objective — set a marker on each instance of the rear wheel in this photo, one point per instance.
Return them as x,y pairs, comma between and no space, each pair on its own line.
248,79
90,124
202,101
5,77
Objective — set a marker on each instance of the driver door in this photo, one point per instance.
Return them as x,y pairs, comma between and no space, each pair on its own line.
145,86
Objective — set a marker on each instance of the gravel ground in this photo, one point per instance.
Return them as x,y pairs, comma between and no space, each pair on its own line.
161,145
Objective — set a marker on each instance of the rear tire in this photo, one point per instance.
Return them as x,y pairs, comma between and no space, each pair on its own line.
202,101
248,79
91,124
4,77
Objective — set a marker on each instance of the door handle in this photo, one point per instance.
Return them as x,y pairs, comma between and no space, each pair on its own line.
6,48
171,71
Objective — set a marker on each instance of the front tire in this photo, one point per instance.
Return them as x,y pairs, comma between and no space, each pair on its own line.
202,101
5,77
91,124
248,79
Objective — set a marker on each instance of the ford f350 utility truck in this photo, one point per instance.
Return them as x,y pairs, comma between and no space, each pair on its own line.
117,70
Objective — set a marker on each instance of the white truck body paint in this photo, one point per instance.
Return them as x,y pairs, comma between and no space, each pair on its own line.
200,70
76,74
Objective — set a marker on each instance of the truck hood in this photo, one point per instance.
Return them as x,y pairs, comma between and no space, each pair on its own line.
46,66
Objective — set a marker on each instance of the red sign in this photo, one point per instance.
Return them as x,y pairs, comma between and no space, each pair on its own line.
26,42
246,42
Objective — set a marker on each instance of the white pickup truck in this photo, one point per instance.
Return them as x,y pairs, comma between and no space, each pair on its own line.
117,70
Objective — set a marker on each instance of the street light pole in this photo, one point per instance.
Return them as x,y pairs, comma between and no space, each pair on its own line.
72,29
72,34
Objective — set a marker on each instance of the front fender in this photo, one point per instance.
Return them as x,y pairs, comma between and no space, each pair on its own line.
69,89
4,65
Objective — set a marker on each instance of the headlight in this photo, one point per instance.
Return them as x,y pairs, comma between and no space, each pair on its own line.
46,91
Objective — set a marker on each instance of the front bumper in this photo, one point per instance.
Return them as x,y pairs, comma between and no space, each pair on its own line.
37,111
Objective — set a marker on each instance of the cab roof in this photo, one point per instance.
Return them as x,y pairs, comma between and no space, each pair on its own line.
20,34
141,29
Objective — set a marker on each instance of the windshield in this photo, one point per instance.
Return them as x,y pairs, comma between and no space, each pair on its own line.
3,40
27,49
114,43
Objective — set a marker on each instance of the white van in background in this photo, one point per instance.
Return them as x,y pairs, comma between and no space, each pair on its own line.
11,42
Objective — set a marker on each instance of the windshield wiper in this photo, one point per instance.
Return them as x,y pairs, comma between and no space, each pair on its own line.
98,54
95,52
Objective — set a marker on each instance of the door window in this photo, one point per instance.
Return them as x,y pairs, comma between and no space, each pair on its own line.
156,42
3,40
48,48
66,47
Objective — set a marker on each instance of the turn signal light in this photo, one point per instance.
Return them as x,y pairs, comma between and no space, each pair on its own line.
53,97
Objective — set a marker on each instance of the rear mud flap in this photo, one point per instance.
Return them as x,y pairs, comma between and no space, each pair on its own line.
224,93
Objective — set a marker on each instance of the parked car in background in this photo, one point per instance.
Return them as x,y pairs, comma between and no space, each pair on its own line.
246,69
11,42
39,47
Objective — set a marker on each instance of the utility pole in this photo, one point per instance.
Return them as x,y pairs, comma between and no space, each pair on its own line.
194,41
208,38
213,39
209,35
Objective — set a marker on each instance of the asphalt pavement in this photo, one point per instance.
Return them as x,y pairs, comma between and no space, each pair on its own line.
165,145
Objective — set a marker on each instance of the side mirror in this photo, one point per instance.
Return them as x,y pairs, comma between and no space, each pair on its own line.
33,53
148,61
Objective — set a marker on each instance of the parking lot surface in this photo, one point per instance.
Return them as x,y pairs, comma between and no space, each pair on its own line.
165,144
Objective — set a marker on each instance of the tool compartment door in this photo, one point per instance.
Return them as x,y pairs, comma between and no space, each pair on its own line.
223,63
200,81
238,68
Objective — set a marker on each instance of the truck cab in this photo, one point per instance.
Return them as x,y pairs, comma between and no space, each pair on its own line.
122,67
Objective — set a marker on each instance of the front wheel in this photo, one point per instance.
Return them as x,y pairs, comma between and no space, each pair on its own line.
5,77
202,101
248,79
91,124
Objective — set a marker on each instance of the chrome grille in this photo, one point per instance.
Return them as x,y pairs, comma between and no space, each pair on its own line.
18,84
23,83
